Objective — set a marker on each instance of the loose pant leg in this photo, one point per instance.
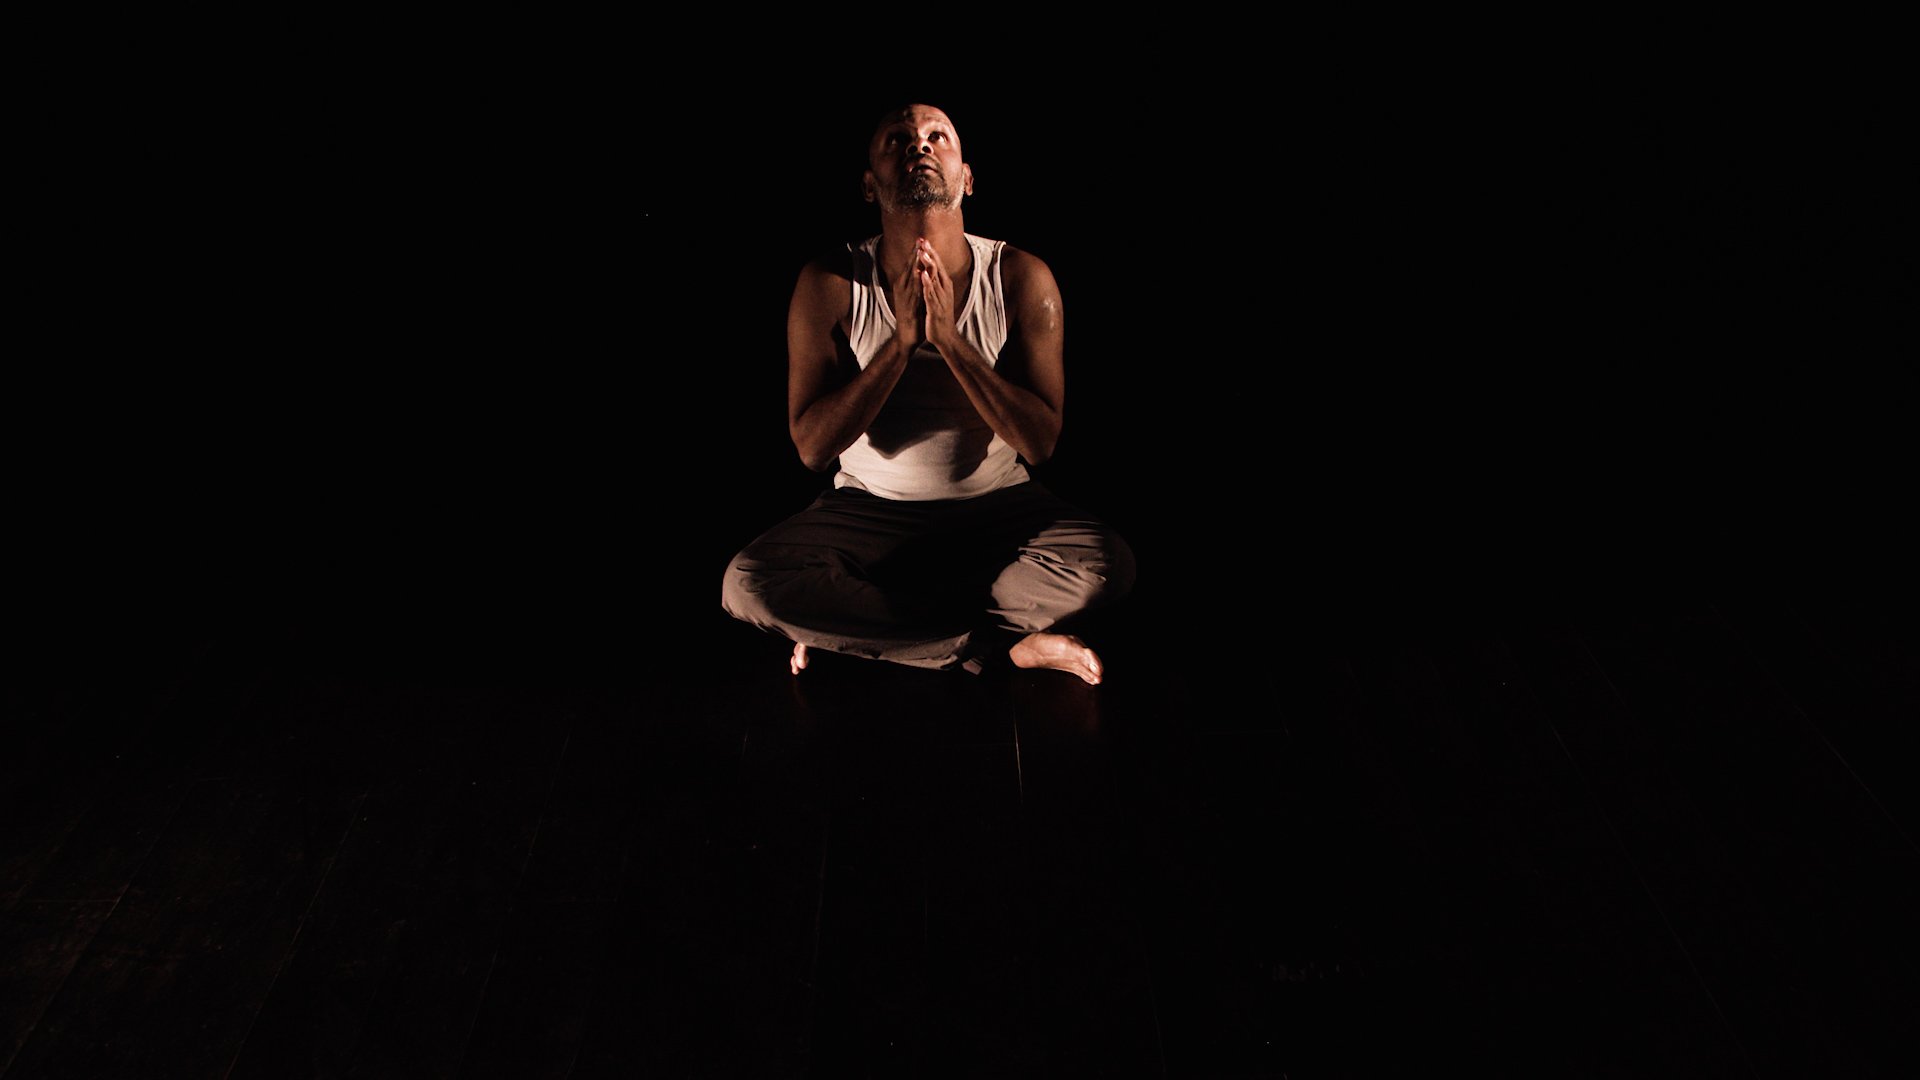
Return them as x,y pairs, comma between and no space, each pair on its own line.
818,578
1064,562
932,584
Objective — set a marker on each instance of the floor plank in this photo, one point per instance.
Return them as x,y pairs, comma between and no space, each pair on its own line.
1836,877
1849,687
175,973
555,941
687,983
401,941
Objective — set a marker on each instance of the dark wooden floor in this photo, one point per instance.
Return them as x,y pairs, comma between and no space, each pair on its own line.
1659,835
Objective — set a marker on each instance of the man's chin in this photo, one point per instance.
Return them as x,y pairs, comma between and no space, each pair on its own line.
925,195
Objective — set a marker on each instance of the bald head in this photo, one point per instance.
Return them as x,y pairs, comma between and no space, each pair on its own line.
914,161
912,114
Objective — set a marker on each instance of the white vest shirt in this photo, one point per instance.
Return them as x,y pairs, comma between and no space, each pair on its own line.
928,441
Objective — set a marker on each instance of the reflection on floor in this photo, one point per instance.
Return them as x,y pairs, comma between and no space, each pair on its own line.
1659,836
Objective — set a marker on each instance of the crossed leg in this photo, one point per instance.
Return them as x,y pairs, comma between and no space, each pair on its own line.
819,579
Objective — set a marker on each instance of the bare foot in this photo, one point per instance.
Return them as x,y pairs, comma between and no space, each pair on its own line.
1059,652
799,661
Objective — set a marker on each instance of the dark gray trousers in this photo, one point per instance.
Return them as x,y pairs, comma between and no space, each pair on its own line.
936,584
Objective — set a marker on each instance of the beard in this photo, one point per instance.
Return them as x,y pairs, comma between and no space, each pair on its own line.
924,191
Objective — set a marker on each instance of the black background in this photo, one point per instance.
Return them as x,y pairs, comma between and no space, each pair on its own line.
427,342
474,349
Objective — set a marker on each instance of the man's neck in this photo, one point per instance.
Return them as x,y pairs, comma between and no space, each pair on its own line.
945,229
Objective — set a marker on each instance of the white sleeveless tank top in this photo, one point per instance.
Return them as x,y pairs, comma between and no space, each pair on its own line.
928,441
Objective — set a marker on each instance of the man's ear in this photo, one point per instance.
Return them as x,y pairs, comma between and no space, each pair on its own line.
867,190
966,178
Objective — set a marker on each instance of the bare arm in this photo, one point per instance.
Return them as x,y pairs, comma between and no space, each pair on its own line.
831,400
1022,396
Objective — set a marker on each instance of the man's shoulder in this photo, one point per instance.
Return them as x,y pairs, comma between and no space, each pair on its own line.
825,282
1008,251
1020,267
841,262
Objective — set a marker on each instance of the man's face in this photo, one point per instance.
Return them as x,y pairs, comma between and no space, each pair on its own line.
913,162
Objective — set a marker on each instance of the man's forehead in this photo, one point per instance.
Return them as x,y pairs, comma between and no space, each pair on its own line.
913,116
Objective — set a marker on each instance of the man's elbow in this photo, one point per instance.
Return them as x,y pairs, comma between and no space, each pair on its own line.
1040,450
812,457
1043,441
